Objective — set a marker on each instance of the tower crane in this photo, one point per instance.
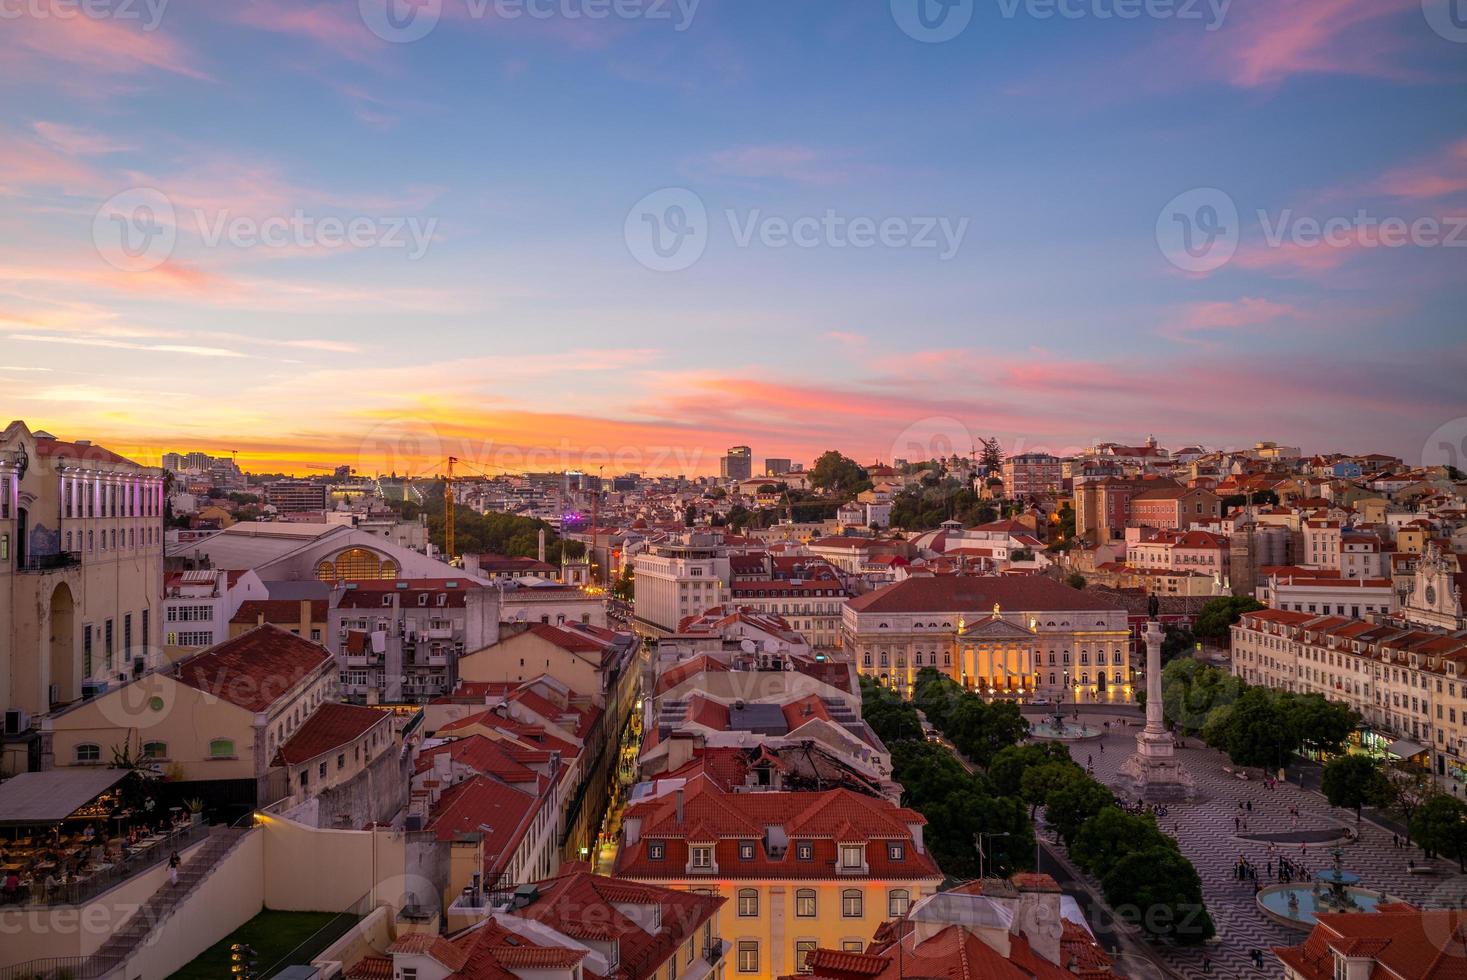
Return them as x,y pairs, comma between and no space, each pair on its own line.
448,508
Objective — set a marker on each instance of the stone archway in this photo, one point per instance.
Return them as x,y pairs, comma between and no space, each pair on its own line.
63,645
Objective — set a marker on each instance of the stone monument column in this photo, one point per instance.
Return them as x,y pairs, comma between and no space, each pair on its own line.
1153,773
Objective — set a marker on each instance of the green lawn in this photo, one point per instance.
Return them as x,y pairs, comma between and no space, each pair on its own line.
274,936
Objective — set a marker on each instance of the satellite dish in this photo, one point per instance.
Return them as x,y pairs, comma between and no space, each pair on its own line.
746,645
771,646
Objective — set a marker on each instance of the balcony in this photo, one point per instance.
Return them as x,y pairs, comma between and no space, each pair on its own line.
445,633
49,563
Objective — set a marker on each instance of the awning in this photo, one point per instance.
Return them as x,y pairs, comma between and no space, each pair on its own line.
53,795
1404,748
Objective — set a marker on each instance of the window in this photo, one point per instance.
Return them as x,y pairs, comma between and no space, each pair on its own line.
748,956
748,903
897,902
88,752
654,851
155,750
805,903
850,855
221,748
702,857
896,850
852,946
746,851
803,949
805,851
850,903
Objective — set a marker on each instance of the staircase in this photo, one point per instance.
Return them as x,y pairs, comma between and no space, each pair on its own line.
149,916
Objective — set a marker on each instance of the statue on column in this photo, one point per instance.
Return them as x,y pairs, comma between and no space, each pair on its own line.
1153,772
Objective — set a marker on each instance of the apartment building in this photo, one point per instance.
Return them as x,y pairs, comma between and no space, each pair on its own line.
681,578
1032,475
81,574
400,639
799,871
806,592
198,607
1077,642
1409,684
1174,508
1321,593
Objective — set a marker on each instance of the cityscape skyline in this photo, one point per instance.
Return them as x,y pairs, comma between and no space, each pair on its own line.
273,229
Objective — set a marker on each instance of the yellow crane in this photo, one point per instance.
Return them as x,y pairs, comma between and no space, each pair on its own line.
448,507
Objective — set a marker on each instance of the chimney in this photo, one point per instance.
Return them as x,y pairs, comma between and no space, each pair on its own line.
679,805
306,618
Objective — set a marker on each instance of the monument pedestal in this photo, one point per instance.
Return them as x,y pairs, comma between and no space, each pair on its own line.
1154,774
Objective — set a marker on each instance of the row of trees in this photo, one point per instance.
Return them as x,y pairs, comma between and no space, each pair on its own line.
1436,820
505,534
1146,879
958,804
1255,726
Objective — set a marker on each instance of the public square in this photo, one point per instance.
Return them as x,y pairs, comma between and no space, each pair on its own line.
1206,832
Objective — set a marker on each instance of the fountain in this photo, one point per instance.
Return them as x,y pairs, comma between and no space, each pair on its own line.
1336,890
1056,729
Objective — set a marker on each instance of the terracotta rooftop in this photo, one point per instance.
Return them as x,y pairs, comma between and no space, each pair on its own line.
254,669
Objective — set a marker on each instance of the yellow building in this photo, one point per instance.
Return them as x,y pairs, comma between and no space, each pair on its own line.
81,574
799,870
216,719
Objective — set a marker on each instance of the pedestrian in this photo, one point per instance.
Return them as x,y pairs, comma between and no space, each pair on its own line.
1102,748
173,868
1206,963
1395,840
1270,867
1410,864
1250,806
1235,824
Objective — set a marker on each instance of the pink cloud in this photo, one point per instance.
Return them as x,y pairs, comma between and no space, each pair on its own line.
100,46
1247,312
1442,174
1265,43
76,141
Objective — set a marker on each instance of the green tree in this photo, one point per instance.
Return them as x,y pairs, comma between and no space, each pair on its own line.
1112,834
1075,580
1440,826
1321,724
1038,782
990,458
1073,801
1260,731
1411,786
1355,781
1010,764
1215,621
1192,689
834,472
1162,888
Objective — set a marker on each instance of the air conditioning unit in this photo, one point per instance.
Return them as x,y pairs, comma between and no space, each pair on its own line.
16,721
91,689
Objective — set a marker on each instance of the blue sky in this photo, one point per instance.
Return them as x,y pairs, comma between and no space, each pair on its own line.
501,171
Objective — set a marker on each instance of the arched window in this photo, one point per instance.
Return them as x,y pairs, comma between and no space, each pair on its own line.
805,903
897,902
748,903
88,752
155,750
221,748
850,903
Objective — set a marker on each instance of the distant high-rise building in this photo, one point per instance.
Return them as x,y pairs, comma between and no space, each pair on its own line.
738,464
776,467
198,461
172,461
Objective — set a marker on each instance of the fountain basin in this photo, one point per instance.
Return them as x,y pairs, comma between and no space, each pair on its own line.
1048,731
1274,902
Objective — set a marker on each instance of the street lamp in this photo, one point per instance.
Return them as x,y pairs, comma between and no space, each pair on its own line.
981,835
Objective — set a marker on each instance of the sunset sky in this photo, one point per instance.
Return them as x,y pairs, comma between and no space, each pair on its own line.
527,331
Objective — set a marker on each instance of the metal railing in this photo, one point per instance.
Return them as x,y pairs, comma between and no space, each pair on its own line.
62,968
713,950
49,563
81,892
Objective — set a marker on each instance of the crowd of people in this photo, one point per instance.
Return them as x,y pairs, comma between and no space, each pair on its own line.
39,865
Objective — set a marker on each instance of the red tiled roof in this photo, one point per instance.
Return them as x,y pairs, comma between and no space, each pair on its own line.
253,669
486,756
422,944
92,453
966,592
329,727
371,968
281,612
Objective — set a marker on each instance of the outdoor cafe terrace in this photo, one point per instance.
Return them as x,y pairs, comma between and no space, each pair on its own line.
67,835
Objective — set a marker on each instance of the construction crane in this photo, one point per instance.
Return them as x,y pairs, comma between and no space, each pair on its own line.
448,507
